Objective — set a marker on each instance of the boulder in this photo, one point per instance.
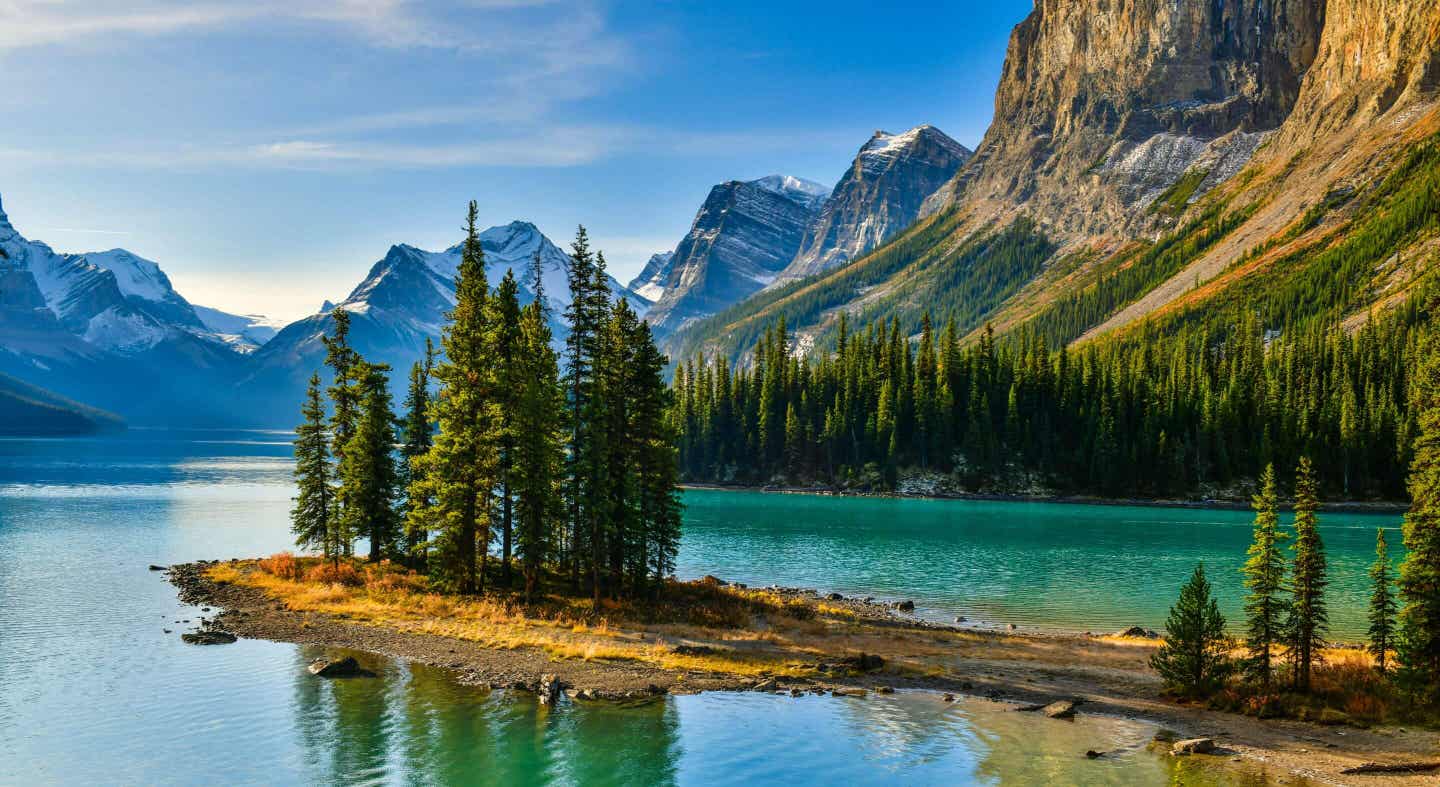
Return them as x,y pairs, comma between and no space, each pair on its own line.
959,618
1094,755
1193,746
948,698
1062,709
549,690
765,685
905,606
693,650
884,690
208,637
866,662
835,597
154,567
1138,632
347,667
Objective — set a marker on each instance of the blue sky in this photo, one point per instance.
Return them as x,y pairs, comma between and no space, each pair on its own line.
266,152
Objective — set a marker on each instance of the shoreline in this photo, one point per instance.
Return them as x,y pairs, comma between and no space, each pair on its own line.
1105,675
1339,507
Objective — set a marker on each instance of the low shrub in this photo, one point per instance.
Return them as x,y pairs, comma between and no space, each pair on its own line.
282,565
335,573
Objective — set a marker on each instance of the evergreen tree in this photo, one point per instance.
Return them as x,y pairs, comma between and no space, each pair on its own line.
459,472
1308,616
582,347
418,434
345,400
658,501
539,451
1382,603
1418,641
1194,660
1265,580
504,319
369,481
312,518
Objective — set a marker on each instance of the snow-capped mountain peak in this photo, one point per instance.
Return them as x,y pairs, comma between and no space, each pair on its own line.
798,189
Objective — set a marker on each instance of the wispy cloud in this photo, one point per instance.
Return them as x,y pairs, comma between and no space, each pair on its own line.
395,23
83,231
531,145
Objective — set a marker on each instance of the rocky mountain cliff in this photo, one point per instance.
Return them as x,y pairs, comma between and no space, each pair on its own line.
880,194
1102,105
745,233
1141,150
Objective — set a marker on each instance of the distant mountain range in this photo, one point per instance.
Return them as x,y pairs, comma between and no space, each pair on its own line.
108,328
751,235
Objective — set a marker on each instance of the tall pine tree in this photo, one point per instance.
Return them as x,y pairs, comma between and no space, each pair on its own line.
1265,580
1382,603
458,474
369,482
312,518
1308,616
539,450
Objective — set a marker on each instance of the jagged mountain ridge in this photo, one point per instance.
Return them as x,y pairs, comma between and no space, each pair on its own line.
649,283
1117,128
880,194
744,234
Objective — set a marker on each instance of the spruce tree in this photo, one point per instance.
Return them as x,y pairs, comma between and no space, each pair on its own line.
417,435
1418,640
1265,580
1194,660
581,349
504,320
1382,603
344,392
368,478
539,451
458,473
656,467
312,518
1308,616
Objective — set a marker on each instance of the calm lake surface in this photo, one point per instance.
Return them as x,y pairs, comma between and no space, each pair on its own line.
94,691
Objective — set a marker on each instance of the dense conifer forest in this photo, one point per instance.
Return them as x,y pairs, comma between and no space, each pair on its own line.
1190,407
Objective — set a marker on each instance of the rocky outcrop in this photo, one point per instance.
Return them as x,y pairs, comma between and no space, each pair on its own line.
880,195
743,236
1087,82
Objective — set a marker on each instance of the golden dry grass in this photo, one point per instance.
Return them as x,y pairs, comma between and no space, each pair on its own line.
747,632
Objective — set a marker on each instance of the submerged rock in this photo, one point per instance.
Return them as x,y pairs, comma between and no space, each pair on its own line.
347,667
208,637
905,606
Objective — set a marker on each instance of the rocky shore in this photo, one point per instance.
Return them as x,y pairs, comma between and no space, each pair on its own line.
1054,674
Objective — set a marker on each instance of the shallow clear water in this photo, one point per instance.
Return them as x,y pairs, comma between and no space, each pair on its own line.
94,691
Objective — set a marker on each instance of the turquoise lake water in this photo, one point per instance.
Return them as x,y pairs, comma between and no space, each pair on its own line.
93,691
